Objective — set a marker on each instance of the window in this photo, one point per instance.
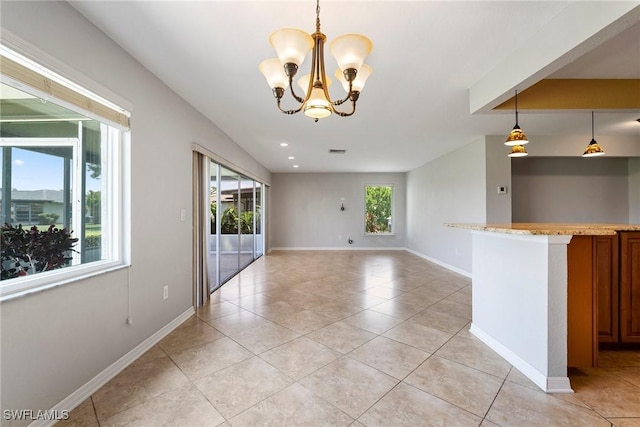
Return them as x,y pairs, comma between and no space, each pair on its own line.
378,201
61,194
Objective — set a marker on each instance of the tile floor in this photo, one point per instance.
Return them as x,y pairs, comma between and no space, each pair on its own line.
375,338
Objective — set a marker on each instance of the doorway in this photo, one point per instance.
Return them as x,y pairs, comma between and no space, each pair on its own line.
229,224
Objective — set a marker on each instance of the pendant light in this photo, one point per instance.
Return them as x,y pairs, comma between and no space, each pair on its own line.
593,149
516,138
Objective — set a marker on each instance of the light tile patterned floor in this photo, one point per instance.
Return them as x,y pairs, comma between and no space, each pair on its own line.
362,338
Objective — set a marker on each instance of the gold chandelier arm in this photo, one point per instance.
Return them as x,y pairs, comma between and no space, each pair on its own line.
289,111
296,97
346,98
342,114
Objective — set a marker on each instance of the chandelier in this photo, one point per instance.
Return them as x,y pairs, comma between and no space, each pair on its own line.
292,45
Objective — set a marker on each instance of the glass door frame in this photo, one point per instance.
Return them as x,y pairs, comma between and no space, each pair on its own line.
213,239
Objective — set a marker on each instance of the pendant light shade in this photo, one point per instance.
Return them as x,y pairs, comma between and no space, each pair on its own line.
317,106
516,136
350,50
517,151
274,73
291,45
593,149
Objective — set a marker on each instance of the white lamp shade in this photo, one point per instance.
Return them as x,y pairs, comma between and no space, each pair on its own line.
303,82
317,107
361,78
350,50
291,45
274,73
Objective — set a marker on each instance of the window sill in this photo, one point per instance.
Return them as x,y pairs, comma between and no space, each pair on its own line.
32,285
379,234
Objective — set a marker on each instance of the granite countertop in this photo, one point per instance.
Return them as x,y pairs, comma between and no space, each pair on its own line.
550,228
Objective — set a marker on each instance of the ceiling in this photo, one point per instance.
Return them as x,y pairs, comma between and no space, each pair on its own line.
439,69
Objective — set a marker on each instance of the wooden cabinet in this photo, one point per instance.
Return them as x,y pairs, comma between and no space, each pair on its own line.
605,263
616,271
603,301
582,344
630,287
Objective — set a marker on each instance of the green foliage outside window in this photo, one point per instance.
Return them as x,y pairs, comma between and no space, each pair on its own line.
378,209
48,218
230,220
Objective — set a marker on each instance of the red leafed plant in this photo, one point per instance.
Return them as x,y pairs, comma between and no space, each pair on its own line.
34,251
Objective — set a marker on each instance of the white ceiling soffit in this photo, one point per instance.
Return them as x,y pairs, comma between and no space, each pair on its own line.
430,59
581,28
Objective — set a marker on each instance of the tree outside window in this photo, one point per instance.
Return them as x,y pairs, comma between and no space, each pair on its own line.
378,208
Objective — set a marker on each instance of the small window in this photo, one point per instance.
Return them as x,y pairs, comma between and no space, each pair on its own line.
378,201
61,195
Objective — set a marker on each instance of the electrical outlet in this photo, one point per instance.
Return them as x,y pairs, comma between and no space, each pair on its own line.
165,292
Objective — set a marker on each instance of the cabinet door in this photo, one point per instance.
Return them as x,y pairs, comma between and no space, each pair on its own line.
606,276
630,287
582,339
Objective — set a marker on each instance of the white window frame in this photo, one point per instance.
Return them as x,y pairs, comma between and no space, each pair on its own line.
393,210
76,182
115,209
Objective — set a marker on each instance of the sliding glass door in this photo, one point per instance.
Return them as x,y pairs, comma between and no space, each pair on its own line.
229,238
235,223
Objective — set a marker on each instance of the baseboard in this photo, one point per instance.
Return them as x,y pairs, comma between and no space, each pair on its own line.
547,384
559,385
440,263
94,384
339,248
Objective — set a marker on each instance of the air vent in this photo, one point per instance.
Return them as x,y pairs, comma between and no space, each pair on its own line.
336,151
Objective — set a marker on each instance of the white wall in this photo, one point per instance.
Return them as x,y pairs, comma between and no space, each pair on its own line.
449,189
634,190
305,210
562,189
55,341
520,306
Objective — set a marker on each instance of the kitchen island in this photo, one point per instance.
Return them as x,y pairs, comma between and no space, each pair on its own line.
535,293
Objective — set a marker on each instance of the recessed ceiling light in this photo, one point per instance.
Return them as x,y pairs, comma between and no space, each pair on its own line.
283,144
291,157
295,166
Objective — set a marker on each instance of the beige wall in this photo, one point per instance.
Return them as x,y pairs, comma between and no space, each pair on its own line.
449,189
305,210
562,189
